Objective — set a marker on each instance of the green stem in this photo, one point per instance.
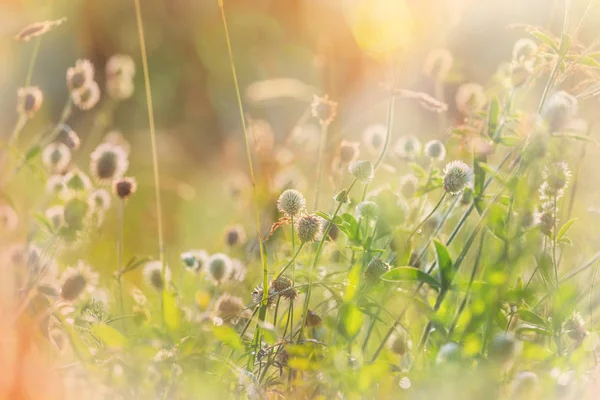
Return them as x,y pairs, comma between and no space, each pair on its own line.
320,161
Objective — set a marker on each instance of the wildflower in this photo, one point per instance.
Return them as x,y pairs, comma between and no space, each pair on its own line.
219,268
524,51
80,75
153,274
120,65
257,296
408,147
503,348
77,181
525,386
284,287
312,319
546,219
367,210
374,138
348,152
56,216
56,186
291,203
362,170
77,281
76,211
308,228
398,344
282,357
124,187
448,352
68,137
457,175
375,269
37,29
438,63
9,220
559,110
120,71
408,186
435,150
235,235
29,100
87,97
470,98
194,259
574,327
99,199
556,178
323,109
56,157
108,162
229,308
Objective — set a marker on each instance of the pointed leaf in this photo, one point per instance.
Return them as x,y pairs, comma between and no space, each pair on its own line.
445,264
565,228
111,337
351,320
171,314
410,274
228,336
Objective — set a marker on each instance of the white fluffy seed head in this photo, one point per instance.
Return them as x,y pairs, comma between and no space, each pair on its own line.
195,259
362,170
99,199
108,162
374,138
291,203
56,157
408,147
29,100
559,110
87,97
219,268
367,210
457,175
557,176
435,150
153,274
308,228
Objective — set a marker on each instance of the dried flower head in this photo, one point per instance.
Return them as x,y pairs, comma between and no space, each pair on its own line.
87,97
348,152
56,216
374,138
362,170
29,100
9,220
76,211
367,210
78,280
229,308
470,98
575,328
124,187
285,288
195,259
438,63
398,343
323,109
153,274
545,218
257,296
457,175
68,137
435,150
77,181
375,269
56,157
559,111
80,75
108,162
235,235
312,319
219,268
308,228
408,186
99,199
556,177
408,148
291,203
524,51
37,29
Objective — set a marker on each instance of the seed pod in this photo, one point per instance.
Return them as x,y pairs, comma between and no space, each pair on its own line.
308,228
124,187
457,175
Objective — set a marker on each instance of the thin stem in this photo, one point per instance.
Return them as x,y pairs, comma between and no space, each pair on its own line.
390,123
121,209
320,161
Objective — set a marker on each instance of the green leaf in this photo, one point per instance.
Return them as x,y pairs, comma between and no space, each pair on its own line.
565,44
544,264
32,152
323,215
546,39
111,337
171,315
350,320
493,117
419,171
352,285
410,274
589,61
445,264
576,136
228,336
41,218
492,172
565,228
531,317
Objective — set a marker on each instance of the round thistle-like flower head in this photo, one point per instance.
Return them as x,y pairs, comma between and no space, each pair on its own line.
362,170
312,319
257,295
457,175
78,280
285,288
9,220
349,151
235,235
291,203
219,268
68,137
556,177
323,109
76,212
545,219
398,344
80,75
308,228
153,274
449,352
108,162
56,186
56,157
124,187
56,216
375,269
503,348
77,181
574,327
470,98
374,138
525,386
367,210
87,97
408,147
229,308
99,199
435,150
29,100
194,259
524,51
559,110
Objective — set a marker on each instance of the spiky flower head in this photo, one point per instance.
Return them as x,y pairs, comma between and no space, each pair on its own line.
503,348
56,157
457,175
408,147
56,216
99,199
470,98
257,296
108,162
219,268
438,63
77,181
374,138
559,110
312,319
124,187
556,177
375,269
367,210
229,308
29,100
575,328
195,259
80,75
349,151
285,288
68,137
323,109
87,97
153,274
545,218
308,228
435,150
362,170
9,220
77,281
235,235
76,211
291,203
